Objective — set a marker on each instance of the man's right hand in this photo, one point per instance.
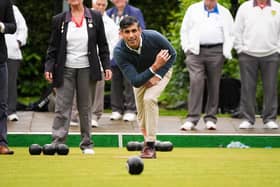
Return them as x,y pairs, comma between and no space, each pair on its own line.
161,59
49,77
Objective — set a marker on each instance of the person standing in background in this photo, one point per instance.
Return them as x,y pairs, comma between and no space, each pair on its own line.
257,38
112,35
111,32
14,43
206,39
7,25
73,65
122,96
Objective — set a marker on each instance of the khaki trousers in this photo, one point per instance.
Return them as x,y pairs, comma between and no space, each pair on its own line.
147,106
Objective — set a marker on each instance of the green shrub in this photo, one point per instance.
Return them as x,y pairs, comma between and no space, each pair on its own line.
38,17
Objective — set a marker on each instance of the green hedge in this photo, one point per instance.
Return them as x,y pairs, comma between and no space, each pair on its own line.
165,16
38,16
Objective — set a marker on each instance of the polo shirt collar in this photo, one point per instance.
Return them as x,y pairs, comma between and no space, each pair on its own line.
255,3
69,16
214,11
138,51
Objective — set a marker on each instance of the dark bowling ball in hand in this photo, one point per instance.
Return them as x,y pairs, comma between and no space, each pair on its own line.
135,165
49,149
62,149
165,146
35,149
133,146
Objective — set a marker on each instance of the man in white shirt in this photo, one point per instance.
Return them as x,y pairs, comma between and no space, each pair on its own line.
207,39
112,35
257,39
14,43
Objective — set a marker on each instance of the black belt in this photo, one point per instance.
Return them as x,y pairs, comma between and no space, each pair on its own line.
211,45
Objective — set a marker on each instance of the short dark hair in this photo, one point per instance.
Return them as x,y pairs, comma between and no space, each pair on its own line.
128,21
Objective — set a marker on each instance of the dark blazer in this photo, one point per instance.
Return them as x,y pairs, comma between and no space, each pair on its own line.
56,53
7,18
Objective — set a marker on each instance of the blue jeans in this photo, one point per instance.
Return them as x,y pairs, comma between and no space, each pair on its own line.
3,103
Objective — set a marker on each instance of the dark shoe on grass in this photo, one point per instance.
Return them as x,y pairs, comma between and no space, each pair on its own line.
149,151
5,150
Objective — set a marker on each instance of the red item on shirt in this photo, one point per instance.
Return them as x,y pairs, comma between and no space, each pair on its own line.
78,24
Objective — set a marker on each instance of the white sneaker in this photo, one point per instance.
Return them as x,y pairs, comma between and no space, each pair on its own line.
129,117
115,116
94,123
13,117
88,151
211,125
271,125
74,123
246,125
187,126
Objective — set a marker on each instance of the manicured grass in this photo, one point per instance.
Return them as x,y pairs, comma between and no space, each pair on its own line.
182,167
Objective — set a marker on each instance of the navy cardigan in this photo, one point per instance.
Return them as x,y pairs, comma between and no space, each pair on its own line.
134,66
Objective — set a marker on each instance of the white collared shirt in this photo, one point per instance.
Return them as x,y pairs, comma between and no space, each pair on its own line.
193,25
211,29
257,31
77,46
13,48
111,32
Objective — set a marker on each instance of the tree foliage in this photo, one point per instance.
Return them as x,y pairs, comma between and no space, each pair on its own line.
165,16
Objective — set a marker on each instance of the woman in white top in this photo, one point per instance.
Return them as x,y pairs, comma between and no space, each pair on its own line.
72,65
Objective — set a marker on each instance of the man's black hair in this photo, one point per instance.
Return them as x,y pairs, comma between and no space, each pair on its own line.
128,21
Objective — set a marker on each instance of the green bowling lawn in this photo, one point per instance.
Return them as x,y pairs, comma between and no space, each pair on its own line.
189,167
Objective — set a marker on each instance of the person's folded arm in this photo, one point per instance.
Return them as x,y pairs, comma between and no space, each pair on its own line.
130,72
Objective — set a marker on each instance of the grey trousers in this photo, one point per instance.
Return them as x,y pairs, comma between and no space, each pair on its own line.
97,105
122,95
205,66
74,80
3,103
13,68
249,68
97,98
